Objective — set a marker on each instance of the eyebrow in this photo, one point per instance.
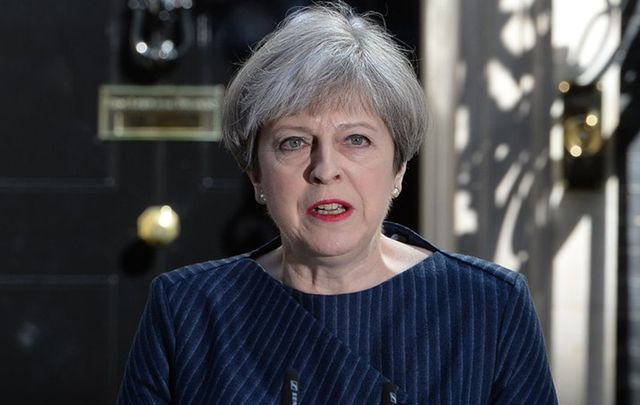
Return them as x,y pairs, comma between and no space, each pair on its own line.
292,128
350,125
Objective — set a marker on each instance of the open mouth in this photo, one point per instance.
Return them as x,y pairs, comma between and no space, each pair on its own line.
330,210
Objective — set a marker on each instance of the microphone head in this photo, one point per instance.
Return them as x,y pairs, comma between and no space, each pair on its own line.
290,387
389,396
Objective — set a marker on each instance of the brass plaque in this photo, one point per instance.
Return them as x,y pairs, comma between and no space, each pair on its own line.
177,113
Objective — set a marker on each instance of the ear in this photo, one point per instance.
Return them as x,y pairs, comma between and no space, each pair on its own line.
253,177
400,175
257,187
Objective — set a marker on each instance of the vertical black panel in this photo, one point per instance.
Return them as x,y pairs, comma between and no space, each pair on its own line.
628,153
53,55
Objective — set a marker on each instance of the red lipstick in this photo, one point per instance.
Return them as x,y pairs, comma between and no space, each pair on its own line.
330,210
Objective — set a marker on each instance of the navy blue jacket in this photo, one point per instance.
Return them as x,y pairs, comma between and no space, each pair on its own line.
450,330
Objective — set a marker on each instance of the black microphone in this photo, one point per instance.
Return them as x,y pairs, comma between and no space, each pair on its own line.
290,388
389,394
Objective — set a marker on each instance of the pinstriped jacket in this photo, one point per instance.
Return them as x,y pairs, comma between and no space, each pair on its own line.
451,329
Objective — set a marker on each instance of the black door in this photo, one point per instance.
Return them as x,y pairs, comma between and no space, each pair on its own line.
73,272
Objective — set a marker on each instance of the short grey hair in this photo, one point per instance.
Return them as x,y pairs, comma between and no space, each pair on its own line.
324,56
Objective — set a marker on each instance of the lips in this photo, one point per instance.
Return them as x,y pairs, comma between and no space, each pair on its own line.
330,210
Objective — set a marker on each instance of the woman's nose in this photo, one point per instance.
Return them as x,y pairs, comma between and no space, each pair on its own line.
324,165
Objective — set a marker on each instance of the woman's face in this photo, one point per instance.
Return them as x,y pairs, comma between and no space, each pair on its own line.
327,178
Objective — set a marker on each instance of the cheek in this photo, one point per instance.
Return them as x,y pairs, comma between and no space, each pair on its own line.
283,191
378,186
280,188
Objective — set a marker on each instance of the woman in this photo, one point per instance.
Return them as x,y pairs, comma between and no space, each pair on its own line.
342,308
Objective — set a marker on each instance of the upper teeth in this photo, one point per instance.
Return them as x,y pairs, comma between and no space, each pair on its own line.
329,207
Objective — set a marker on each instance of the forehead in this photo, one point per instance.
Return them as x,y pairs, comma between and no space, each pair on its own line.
344,106
347,102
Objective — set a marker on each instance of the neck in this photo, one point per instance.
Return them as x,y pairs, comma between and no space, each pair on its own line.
351,272
318,278
357,271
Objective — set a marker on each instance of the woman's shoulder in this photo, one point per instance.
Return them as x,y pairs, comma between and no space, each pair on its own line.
445,264
209,274
464,282
481,268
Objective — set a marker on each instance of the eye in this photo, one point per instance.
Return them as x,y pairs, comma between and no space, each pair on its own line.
292,143
358,140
